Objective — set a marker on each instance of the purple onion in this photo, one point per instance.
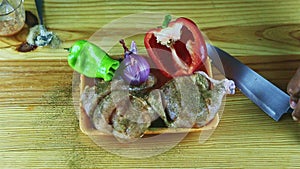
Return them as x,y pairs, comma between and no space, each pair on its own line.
135,69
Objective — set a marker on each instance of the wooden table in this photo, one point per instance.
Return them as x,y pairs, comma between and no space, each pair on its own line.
39,128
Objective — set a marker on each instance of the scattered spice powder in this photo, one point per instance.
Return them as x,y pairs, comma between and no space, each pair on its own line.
60,123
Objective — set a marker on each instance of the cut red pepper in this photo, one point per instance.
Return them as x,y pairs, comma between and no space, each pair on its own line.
178,48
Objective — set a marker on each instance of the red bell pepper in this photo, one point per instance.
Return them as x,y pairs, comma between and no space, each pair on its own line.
177,48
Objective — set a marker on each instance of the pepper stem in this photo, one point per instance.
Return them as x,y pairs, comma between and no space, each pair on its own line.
166,21
126,50
124,45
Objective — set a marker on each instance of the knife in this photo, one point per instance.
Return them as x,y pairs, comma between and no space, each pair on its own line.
263,93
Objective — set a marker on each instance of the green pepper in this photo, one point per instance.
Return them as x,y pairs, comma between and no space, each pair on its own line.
88,59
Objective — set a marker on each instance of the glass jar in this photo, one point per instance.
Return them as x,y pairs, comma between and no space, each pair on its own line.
12,17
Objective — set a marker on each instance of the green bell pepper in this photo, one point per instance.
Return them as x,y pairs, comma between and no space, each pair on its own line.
88,59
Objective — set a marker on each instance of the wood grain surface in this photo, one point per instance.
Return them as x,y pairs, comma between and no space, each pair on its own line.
39,127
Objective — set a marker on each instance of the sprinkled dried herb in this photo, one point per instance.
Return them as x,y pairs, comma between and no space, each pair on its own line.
61,124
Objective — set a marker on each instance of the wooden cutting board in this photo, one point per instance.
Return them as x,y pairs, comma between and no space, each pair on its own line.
39,126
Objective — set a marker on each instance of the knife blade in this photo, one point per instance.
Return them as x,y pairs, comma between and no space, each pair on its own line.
272,100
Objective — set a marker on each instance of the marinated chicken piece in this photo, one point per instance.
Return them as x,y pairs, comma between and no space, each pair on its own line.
190,100
182,101
113,109
214,97
92,95
133,120
133,114
89,100
177,102
103,114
